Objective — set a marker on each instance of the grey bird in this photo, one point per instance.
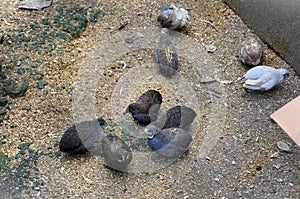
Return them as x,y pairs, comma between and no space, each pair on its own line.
251,52
176,117
116,153
80,137
146,108
170,142
264,77
172,17
166,54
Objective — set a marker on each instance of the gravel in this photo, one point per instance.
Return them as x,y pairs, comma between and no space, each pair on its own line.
237,125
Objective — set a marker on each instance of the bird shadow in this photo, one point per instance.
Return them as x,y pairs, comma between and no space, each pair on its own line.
74,156
260,94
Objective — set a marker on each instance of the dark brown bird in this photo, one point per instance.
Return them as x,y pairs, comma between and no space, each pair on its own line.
170,142
146,108
79,137
176,117
116,153
166,55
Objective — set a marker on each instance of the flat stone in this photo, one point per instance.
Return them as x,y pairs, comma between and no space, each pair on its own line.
34,4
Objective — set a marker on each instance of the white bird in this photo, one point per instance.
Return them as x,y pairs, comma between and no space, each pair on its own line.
264,77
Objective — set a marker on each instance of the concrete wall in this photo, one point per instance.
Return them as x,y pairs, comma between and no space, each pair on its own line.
277,22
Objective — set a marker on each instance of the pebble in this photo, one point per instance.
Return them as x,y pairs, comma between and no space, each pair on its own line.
280,180
139,34
283,146
207,80
210,48
34,4
129,40
233,162
215,93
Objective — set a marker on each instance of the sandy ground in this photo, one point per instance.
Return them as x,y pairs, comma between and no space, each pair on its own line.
232,154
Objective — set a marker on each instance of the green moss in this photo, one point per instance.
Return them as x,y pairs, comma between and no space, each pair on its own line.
130,135
12,88
3,101
73,20
24,146
95,15
4,160
41,84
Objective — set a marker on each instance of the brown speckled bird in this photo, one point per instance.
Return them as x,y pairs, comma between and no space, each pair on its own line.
146,108
116,153
172,17
79,137
251,52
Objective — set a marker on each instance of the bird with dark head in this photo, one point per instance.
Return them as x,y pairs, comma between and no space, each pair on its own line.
176,117
172,17
166,55
146,108
170,142
80,137
116,153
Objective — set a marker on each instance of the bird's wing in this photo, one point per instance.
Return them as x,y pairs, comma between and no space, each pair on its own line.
268,80
251,87
254,73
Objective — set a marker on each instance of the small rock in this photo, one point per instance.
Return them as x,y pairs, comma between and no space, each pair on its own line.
207,80
210,48
129,40
139,34
283,146
233,162
217,179
34,4
280,180
215,93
